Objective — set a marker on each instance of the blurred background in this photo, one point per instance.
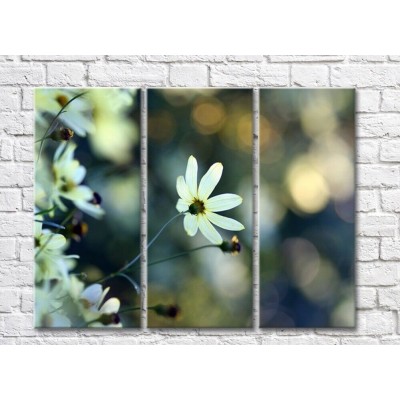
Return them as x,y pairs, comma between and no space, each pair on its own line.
307,208
211,288
110,151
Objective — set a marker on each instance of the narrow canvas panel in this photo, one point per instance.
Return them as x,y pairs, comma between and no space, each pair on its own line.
307,208
200,199
87,208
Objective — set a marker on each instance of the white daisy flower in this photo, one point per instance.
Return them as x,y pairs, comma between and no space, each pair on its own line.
106,314
68,176
199,208
51,262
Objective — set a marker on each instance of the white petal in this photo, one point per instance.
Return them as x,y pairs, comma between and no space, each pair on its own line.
183,189
94,210
191,176
209,181
182,205
223,202
103,295
224,222
208,230
78,193
79,174
190,224
55,242
110,306
92,294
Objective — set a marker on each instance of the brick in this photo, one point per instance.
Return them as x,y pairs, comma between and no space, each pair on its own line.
7,249
366,200
27,300
368,100
377,176
390,200
358,341
13,224
394,58
6,150
390,340
9,299
6,58
390,150
129,58
390,100
249,75
367,151
27,99
26,248
23,149
389,298
18,325
390,249
368,59
369,323
9,99
367,249
66,74
15,175
274,75
171,58
127,75
61,58
239,58
378,274
15,274
366,298
365,76
378,125
377,225
234,75
299,340
22,74
292,59
10,199
310,76
27,199
237,340
189,75
20,123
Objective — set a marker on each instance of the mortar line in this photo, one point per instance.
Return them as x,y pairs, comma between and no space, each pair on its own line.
143,213
256,183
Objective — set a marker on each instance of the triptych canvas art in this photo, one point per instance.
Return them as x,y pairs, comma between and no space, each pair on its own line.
202,163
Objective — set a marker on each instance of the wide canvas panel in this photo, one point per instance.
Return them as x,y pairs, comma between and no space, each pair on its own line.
87,208
200,190
307,208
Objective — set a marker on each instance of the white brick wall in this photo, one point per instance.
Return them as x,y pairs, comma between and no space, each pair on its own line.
378,181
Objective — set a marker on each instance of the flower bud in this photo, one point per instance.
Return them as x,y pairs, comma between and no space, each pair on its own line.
108,319
62,134
232,247
169,311
96,199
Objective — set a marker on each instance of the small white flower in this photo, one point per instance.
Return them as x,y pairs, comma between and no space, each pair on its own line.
78,115
199,208
91,300
48,307
68,176
51,262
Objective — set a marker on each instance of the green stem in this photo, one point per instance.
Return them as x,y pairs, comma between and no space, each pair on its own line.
130,263
182,254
